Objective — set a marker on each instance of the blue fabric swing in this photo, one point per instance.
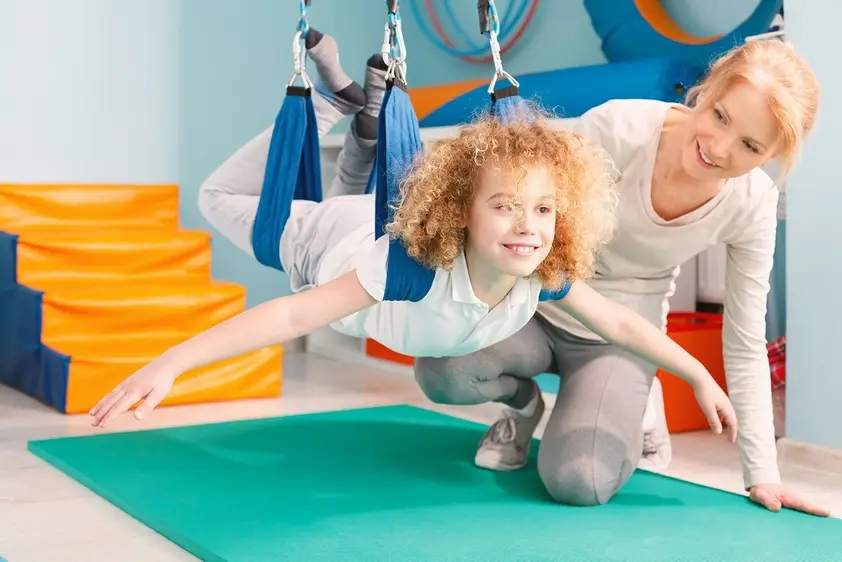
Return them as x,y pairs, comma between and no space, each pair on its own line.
398,143
293,171
293,165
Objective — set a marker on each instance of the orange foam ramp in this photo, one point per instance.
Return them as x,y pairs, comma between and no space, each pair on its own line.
81,309
97,366
164,256
96,281
78,207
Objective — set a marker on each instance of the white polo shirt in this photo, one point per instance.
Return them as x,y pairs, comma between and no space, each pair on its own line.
449,321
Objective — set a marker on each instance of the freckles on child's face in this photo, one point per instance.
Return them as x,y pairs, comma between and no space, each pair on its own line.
512,218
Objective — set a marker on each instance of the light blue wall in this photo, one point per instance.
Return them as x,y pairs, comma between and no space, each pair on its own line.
814,203
233,66
89,91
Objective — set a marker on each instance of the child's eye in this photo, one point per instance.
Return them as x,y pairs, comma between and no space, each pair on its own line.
544,209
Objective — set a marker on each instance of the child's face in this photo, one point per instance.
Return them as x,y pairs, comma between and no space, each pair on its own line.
511,224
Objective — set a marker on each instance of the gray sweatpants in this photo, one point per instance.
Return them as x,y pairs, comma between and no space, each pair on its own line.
593,440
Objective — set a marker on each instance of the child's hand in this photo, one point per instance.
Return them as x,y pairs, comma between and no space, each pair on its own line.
717,408
150,384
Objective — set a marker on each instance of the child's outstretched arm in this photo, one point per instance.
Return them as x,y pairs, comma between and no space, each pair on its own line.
625,328
273,322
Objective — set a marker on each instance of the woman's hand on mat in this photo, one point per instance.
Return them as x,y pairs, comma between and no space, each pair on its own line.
150,384
717,408
774,497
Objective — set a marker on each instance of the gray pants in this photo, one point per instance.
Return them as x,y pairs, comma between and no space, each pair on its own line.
593,440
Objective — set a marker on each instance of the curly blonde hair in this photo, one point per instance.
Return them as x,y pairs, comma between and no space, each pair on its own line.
438,189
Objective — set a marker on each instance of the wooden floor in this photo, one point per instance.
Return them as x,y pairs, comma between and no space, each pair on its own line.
47,517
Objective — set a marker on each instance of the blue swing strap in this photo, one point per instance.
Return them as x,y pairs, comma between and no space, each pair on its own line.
506,103
398,144
293,165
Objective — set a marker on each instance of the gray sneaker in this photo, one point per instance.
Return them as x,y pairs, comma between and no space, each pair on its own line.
505,446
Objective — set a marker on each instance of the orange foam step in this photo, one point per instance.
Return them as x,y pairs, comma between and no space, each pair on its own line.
47,257
86,309
97,365
82,207
374,348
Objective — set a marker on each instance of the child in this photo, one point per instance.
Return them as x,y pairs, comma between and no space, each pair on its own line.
498,214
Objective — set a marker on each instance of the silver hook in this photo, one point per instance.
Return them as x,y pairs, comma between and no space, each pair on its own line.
393,63
298,68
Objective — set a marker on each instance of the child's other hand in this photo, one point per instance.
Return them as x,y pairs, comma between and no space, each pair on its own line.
150,384
717,408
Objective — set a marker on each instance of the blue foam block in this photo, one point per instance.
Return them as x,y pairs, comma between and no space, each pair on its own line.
26,364
626,35
8,259
570,92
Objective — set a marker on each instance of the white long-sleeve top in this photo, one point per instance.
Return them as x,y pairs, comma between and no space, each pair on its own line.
639,266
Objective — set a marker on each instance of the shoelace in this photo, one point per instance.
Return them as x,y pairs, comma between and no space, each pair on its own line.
504,430
650,444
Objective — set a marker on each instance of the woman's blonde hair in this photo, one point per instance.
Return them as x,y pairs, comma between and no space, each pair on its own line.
438,190
775,68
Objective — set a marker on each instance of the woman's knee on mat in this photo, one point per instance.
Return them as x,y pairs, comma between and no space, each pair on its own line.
585,467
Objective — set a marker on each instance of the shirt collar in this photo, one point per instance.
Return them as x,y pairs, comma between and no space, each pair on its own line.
463,292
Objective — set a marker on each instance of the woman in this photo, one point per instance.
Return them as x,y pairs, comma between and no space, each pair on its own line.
691,178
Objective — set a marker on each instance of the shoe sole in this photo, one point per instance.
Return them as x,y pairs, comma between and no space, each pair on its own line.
492,462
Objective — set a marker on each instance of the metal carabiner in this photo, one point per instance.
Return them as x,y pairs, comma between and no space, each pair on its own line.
393,33
298,67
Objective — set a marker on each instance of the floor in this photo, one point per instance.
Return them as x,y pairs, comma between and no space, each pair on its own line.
47,517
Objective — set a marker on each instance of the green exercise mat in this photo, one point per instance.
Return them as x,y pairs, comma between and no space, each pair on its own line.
398,484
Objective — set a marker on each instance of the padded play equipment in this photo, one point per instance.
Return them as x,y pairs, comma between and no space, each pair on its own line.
700,334
97,280
649,56
640,29
397,483
569,91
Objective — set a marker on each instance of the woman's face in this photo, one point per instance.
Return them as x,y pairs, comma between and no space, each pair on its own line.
731,136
